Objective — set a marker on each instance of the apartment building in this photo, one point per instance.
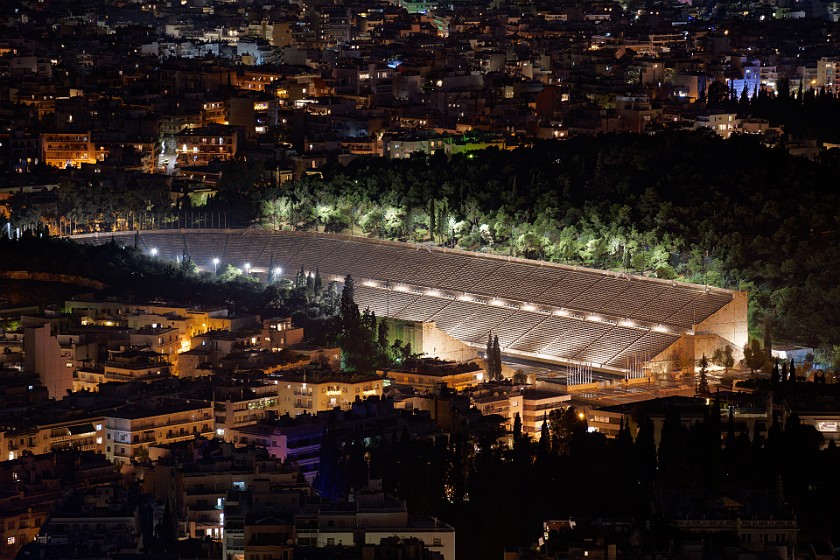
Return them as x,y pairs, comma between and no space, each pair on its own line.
200,146
312,391
163,421
69,149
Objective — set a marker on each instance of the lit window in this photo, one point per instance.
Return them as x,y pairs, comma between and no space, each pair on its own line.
10,540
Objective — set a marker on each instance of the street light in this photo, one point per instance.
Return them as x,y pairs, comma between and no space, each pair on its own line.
154,251
277,272
247,268
215,264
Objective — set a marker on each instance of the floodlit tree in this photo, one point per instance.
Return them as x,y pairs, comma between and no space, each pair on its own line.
754,355
318,283
300,279
703,385
723,357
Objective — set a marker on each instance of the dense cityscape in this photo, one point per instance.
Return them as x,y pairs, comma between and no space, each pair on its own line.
419,279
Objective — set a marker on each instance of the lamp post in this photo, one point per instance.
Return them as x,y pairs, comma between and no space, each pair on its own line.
215,265
154,251
248,269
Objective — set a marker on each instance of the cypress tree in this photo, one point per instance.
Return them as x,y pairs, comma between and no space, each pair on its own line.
545,436
488,358
792,372
347,296
517,430
703,385
645,451
382,334
497,358
300,279
310,287
319,284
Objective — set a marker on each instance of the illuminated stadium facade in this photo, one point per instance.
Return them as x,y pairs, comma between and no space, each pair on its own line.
447,301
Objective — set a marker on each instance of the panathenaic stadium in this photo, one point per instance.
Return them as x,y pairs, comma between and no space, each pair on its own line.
445,302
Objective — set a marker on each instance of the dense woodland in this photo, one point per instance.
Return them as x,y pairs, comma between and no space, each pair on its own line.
676,205
690,206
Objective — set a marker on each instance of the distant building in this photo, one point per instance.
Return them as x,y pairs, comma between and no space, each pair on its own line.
828,75
42,355
159,422
532,405
310,391
68,149
723,124
294,441
122,367
200,146
427,373
279,333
